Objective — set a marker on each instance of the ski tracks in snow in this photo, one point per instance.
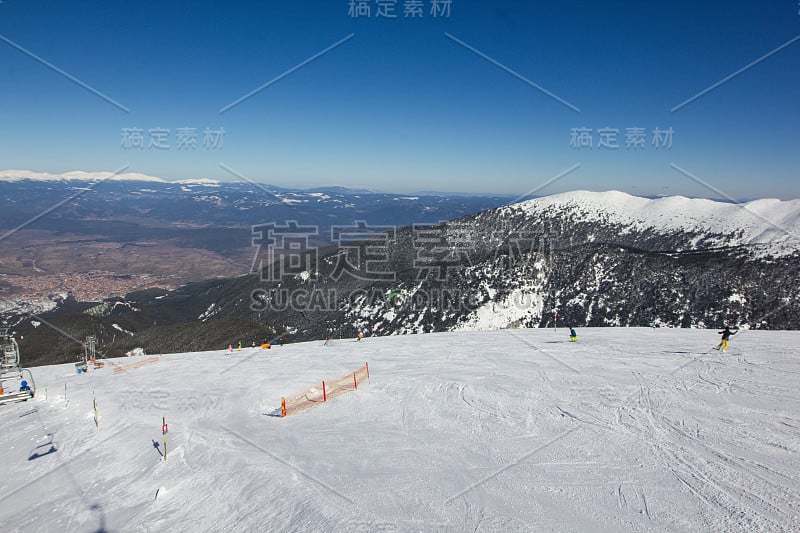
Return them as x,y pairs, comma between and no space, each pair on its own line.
738,493
455,432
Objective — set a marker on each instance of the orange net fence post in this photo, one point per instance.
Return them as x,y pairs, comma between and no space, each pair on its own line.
303,400
362,374
314,396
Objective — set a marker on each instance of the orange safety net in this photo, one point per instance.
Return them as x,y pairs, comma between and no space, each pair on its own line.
124,368
324,391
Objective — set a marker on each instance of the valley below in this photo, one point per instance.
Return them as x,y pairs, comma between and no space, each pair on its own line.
37,264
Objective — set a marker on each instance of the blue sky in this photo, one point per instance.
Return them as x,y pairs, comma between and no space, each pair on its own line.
401,106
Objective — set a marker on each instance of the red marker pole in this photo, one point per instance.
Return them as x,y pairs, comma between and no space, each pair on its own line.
324,394
367,365
355,381
164,430
283,406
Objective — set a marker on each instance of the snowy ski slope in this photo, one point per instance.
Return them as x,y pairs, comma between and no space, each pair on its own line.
511,430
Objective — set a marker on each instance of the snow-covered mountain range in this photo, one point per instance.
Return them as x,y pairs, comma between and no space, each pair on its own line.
76,175
79,175
770,224
592,259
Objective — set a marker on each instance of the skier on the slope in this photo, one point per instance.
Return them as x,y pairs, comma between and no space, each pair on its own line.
573,337
726,335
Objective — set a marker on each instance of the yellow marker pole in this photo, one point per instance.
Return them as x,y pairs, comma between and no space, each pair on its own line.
164,430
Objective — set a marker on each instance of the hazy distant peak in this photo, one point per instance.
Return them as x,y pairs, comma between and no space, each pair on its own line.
208,182
17,175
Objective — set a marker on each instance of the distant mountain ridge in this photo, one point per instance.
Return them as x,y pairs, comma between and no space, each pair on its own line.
76,175
80,175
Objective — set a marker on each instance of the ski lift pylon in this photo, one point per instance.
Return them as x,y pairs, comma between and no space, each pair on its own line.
16,383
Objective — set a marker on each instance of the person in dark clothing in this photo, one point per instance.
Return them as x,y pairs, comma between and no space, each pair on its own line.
726,336
573,337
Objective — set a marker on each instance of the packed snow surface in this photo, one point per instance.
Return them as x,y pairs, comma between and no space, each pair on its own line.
511,430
